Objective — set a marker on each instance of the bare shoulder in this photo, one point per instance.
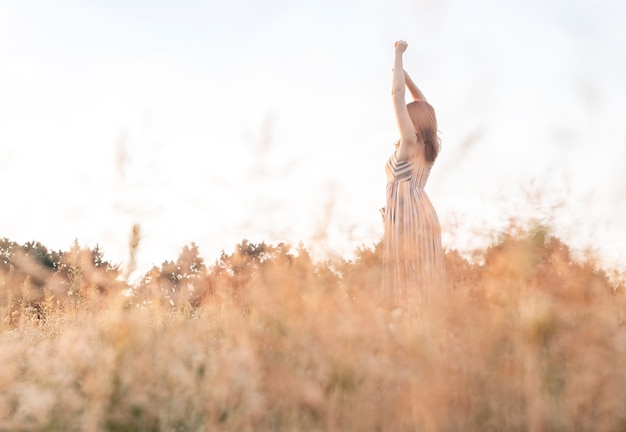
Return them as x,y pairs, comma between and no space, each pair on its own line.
420,156
407,148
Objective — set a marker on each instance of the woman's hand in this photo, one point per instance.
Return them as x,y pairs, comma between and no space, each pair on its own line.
400,46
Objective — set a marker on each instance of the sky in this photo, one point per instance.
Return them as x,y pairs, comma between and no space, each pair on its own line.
213,122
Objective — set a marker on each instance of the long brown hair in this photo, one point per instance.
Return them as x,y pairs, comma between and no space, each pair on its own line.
425,122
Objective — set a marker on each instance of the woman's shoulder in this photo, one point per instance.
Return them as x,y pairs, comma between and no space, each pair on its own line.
420,160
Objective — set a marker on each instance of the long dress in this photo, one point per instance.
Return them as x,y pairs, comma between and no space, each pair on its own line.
413,258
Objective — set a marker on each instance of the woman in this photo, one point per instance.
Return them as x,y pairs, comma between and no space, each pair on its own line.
413,261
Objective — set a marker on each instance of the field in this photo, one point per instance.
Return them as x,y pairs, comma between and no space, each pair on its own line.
523,338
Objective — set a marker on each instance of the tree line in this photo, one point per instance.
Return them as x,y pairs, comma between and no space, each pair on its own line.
31,274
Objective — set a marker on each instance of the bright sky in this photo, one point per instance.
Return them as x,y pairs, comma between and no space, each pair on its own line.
214,121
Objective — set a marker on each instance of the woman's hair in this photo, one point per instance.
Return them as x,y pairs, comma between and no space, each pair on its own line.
425,122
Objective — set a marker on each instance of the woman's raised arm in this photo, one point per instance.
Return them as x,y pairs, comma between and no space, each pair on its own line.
408,136
415,91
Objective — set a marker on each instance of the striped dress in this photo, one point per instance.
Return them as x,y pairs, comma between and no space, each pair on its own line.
413,260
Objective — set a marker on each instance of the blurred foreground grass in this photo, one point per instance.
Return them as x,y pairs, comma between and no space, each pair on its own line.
268,340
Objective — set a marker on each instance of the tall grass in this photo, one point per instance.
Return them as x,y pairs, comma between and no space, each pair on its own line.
269,340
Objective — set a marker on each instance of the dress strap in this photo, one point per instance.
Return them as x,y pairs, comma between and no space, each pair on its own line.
399,170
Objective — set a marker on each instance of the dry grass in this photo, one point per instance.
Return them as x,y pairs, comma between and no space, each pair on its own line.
267,340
